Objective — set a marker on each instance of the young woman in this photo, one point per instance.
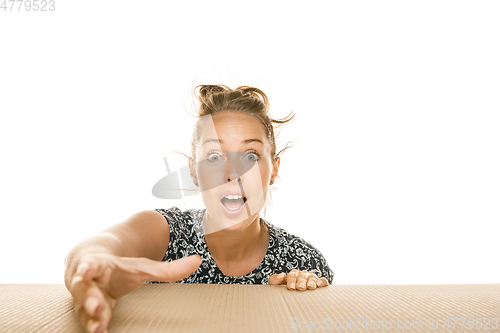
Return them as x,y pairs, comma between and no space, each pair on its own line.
233,162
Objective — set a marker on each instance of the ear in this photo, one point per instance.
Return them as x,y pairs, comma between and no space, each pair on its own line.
192,171
276,167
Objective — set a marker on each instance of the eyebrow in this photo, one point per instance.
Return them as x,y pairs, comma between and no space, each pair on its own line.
222,141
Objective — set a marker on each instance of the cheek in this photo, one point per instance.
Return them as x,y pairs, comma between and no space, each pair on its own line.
265,172
211,177
259,174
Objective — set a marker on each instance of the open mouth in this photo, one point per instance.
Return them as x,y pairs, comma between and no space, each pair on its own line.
233,202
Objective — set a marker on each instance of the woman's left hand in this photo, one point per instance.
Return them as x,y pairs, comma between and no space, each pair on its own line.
298,280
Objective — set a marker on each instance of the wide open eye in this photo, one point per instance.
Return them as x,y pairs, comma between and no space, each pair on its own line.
214,157
252,157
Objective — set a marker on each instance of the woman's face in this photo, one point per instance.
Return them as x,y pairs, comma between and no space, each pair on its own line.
233,168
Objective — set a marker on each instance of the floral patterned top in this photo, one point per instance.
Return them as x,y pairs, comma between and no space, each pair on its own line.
284,253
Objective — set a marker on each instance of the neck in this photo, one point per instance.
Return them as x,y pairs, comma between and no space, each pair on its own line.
236,245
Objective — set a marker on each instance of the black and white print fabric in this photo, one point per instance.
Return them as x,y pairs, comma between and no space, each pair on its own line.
285,251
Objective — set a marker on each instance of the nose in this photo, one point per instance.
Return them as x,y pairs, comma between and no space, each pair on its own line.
233,176
232,172
233,167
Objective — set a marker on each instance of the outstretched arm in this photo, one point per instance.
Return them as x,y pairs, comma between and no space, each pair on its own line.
117,261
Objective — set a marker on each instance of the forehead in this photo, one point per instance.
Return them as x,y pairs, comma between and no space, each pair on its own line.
226,125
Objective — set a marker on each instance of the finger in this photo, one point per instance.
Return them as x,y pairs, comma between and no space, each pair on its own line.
91,304
103,316
302,280
277,278
179,269
98,322
104,279
92,326
92,308
160,271
93,266
291,279
82,315
76,286
79,290
311,281
83,269
84,301
323,282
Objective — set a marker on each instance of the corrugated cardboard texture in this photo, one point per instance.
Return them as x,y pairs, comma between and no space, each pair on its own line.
176,307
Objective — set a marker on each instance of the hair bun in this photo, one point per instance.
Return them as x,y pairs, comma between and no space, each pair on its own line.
207,93
207,90
255,92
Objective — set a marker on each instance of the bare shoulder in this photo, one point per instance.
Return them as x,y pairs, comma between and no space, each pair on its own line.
152,216
147,220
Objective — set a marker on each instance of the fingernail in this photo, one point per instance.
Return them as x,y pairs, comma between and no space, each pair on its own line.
292,285
83,269
310,284
91,305
319,283
280,276
301,285
93,325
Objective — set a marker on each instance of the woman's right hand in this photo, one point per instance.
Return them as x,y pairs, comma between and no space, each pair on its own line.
101,279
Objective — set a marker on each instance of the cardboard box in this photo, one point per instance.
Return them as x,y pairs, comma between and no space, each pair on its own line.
174,307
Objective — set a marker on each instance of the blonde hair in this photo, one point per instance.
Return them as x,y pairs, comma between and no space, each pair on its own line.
252,101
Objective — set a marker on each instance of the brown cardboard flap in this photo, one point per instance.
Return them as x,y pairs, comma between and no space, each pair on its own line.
174,307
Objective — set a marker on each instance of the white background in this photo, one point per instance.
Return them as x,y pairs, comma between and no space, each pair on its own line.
394,175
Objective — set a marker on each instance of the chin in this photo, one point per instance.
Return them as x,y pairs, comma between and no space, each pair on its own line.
222,222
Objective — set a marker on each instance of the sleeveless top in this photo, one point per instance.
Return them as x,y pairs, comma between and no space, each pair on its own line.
285,251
